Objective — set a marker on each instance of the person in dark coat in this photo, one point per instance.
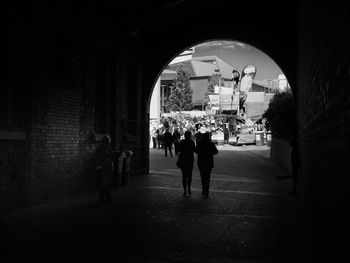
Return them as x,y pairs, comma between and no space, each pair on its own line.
104,167
176,140
185,161
159,138
205,161
168,142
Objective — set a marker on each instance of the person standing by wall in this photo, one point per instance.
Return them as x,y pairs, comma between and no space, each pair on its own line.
104,167
205,161
185,161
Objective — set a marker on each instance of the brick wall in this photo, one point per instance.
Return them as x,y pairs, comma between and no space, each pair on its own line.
55,145
324,129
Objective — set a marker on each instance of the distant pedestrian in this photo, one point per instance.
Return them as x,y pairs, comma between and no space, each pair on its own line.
154,137
167,142
159,138
205,161
104,167
185,161
176,140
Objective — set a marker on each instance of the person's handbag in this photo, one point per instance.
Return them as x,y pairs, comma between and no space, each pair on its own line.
179,162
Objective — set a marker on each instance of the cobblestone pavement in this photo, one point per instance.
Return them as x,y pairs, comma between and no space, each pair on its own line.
247,217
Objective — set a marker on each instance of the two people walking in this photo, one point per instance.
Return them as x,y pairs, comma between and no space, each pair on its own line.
205,149
170,139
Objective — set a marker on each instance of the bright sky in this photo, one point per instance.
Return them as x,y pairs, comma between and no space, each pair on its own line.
238,55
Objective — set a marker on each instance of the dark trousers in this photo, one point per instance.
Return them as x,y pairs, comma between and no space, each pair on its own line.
154,140
205,178
176,146
104,185
159,142
187,177
105,193
166,148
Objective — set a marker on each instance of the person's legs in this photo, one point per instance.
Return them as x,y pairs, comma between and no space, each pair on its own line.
100,186
206,181
189,180
202,174
176,146
170,151
165,150
184,180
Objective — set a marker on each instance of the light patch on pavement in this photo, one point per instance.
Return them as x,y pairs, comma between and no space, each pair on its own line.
213,190
237,179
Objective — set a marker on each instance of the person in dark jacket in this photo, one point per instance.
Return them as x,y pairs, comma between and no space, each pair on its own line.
185,161
205,161
104,167
159,138
168,142
176,140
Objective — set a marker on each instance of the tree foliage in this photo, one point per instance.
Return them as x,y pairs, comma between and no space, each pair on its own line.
181,95
215,80
280,118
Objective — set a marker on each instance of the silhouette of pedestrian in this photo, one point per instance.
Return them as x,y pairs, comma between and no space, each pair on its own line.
167,141
185,161
154,137
199,134
176,140
159,138
104,166
205,161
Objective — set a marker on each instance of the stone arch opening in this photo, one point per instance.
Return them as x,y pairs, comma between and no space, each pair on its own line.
271,85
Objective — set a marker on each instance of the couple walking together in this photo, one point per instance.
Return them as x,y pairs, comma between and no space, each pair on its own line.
205,150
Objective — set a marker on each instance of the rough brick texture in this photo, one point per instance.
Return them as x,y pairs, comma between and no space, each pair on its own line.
324,128
55,145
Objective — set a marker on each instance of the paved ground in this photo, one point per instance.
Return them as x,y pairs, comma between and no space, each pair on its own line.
246,219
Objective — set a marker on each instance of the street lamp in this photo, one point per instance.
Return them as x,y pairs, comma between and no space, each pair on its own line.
162,96
217,70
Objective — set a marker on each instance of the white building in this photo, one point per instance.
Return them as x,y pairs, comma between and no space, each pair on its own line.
156,95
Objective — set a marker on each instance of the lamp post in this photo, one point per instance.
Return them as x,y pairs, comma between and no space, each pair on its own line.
162,97
217,70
